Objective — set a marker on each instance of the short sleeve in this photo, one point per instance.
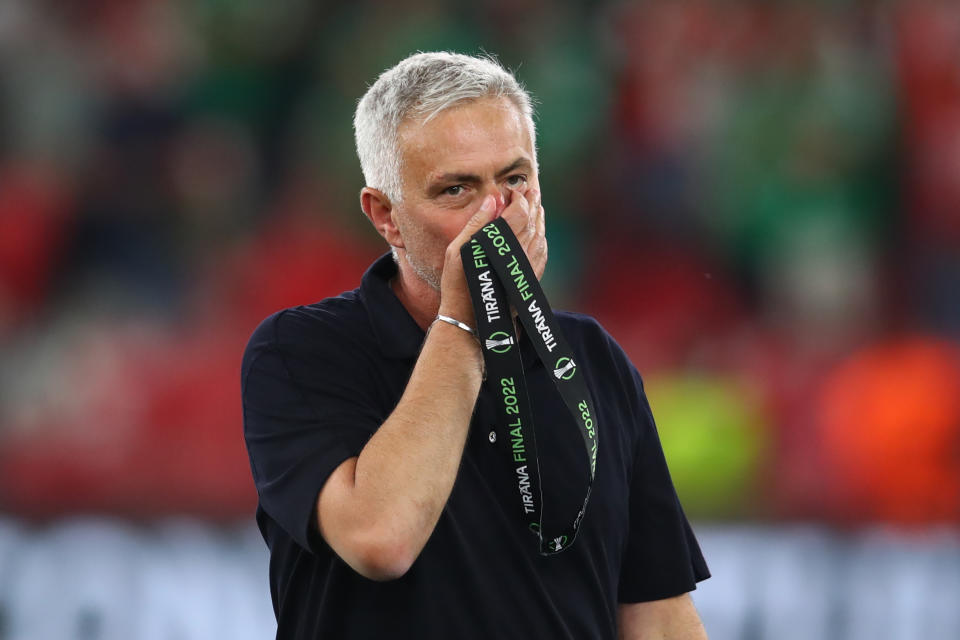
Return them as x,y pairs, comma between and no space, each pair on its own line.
305,411
662,558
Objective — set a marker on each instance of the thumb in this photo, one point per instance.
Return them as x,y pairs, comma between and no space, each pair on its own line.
484,214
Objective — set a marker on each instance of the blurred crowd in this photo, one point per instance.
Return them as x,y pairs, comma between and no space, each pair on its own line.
759,200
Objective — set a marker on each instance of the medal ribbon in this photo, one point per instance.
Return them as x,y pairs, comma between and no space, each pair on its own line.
500,276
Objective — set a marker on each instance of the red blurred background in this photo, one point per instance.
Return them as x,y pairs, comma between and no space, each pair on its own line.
760,201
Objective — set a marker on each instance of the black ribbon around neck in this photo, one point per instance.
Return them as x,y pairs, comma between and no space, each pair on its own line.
500,277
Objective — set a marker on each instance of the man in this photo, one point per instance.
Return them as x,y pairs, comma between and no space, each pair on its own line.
386,496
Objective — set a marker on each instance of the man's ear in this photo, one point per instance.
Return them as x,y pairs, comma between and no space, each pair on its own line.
378,208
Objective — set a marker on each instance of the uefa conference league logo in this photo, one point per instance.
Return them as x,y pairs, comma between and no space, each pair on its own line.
565,368
499,342
560,542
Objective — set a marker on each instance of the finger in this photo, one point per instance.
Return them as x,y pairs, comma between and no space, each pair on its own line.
537,224
517,215
533,208
483,215
539,236
538,250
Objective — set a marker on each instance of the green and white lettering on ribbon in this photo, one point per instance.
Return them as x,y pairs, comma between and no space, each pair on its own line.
499,275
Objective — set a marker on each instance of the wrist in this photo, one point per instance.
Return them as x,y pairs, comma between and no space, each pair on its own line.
452,334
456,323
459,312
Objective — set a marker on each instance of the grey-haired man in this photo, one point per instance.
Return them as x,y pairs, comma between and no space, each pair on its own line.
384,492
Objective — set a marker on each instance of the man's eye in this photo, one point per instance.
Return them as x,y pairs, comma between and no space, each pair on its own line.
455,190
517,180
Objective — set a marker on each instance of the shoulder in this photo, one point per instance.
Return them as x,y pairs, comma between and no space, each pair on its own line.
612,376
590,339
332,323
579,326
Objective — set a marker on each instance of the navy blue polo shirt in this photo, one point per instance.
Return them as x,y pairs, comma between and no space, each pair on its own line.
317,382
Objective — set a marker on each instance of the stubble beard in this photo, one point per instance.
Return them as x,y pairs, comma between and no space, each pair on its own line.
427,273
417,244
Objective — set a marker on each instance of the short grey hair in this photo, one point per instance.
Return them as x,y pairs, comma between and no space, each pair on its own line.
420,87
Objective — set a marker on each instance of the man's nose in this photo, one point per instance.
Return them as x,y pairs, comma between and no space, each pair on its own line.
501,195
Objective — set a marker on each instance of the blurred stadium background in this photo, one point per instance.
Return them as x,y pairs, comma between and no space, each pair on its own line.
760,200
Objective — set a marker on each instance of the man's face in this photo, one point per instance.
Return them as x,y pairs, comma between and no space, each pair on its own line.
451,164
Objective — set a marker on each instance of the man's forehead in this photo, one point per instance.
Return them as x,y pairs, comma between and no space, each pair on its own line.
468,105
466,133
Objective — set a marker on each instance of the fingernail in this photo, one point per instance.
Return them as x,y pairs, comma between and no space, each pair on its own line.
488,204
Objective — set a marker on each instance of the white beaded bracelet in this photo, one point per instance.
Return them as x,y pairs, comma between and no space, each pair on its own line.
457,323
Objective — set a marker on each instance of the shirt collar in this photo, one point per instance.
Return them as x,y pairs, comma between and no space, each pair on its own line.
398,334
396,331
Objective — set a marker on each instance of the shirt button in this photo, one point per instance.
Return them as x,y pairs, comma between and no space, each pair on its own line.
492,437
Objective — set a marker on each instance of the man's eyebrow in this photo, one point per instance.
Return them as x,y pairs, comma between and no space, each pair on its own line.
519,163
456,177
